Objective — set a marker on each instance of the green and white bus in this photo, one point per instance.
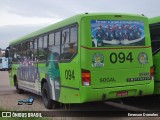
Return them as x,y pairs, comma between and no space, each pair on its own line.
88,57
155,39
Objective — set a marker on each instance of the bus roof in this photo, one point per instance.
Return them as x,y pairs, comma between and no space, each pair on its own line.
64,22
154,20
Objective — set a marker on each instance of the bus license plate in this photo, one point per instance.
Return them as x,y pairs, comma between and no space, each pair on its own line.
122,93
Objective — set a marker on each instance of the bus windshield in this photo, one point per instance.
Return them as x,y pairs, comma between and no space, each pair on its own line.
117,33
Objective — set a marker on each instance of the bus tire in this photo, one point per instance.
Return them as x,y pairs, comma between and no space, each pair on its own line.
19,91
46,96
48,103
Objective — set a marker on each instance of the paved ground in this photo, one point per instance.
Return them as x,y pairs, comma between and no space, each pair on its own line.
9,98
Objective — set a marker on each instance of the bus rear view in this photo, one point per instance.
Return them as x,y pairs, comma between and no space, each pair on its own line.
116,57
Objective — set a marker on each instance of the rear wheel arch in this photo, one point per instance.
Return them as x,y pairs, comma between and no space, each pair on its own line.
46,91
19,91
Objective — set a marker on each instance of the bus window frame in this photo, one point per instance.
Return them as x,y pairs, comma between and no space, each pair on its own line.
75,54
47,34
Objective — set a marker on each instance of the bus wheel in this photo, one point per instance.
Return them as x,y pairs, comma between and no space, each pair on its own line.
19,91
48,102
46,96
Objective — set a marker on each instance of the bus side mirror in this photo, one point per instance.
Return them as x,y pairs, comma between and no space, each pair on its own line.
6,53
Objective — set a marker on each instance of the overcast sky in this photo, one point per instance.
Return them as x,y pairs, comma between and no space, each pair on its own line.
21,17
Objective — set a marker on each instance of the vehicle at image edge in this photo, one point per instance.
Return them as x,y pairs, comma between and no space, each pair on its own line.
4,61
88,57
155,39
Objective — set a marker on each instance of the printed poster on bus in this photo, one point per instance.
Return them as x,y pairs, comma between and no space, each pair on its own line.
117,33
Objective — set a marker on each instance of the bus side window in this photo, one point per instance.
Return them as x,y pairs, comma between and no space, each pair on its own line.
28,51
65,44
51,42
40,49
35,51
31,50
24,55
73,40
15,53
69,43
56,48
